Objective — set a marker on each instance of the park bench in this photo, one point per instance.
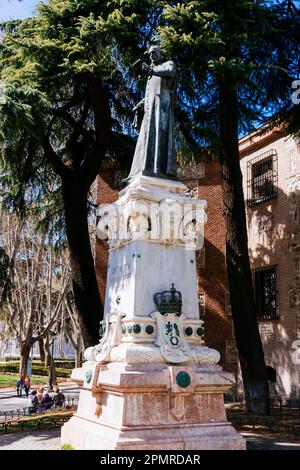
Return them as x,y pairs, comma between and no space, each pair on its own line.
39,421
51,420
13,421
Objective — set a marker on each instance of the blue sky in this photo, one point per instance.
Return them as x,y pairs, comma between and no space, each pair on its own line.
13,9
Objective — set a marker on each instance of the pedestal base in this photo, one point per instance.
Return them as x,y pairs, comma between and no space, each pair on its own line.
85,435
155,407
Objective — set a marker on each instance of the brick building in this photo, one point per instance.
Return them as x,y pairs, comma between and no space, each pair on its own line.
270,165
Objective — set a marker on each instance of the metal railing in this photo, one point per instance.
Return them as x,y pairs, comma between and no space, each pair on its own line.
255,422
275,403
68,403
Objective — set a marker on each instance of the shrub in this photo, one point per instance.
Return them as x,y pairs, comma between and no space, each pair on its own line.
62,363
13,367
67,447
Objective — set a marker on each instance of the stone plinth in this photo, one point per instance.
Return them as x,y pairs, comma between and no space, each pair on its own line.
151,383
124,408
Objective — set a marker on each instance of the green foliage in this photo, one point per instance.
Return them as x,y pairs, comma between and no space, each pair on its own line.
47,62
52,66
63,363
36,370
10,380
250,46
67,447
59,363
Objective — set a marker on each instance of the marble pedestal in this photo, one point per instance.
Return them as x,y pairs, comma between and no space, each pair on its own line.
130,408
151,383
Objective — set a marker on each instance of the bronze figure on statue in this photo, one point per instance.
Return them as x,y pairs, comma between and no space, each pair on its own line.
155,149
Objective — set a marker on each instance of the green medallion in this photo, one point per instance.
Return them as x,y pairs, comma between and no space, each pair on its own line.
149,329
129,329
183,379
136,328
188,331
88,375
123,329
200,331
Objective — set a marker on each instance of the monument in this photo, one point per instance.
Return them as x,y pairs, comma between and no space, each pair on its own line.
151,383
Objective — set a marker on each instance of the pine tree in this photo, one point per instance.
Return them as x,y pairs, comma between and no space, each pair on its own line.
236,63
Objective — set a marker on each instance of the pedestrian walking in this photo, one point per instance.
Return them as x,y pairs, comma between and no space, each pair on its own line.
20,384
27,385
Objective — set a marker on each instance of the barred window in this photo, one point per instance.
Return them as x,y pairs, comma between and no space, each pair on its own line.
265,293
262,177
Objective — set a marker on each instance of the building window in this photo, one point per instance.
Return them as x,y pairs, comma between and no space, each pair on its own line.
262,177
265,293
201,301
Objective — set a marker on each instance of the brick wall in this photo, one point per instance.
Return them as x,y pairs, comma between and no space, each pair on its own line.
107,193
213,272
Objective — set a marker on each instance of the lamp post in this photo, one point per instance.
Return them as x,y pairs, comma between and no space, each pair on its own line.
51,367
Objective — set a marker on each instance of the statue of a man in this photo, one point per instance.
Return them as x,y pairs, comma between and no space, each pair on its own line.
155,149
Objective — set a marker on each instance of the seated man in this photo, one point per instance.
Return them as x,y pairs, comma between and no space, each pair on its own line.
58,398
34,402
46,402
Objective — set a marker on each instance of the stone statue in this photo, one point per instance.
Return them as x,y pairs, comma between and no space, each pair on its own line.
155,149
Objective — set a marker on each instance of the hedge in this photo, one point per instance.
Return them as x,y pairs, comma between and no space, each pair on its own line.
13,367
63,363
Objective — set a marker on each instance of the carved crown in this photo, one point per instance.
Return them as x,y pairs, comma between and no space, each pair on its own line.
168,301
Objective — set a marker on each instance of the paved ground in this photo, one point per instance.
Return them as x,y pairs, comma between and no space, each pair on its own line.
34,440
258,442
50,440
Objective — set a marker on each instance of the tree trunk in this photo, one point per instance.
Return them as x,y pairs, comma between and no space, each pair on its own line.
76,182
247,336
42,351
47,359
54,375
78,349
49,362
85,287
78,358
24,357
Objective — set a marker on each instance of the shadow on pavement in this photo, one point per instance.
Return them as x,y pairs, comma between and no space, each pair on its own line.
30,439
259,442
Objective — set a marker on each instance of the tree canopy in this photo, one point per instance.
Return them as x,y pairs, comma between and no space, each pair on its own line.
252,45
